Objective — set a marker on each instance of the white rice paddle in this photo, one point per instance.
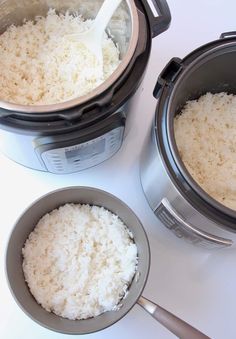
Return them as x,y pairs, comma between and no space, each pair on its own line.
92,38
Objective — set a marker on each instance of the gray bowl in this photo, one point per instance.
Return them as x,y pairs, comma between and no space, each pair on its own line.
26,223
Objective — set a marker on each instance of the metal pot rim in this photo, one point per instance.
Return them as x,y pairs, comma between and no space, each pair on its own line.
98,90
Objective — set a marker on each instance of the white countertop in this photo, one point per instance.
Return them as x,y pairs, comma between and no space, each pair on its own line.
197,285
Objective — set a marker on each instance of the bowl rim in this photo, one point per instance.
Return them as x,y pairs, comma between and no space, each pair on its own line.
55,191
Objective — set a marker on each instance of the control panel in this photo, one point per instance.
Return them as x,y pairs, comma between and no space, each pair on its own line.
83,155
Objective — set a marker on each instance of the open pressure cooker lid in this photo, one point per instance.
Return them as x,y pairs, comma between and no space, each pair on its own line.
81,113
210,68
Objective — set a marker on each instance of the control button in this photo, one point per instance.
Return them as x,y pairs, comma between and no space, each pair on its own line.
178,232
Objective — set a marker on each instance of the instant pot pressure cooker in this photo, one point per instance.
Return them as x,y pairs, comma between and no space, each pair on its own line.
80,133
176,199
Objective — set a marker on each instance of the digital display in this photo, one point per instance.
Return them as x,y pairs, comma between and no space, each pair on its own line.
78,156
85,151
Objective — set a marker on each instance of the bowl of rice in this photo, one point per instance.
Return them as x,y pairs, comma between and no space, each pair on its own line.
77,260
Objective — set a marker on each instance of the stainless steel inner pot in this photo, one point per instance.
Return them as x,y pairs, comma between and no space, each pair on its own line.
123,27
25,300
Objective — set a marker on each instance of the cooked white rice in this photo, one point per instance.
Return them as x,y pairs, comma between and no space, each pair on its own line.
205,134
79,261
40,65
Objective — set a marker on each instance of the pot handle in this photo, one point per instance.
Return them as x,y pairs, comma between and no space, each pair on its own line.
169,74
174,324
225,35
158,14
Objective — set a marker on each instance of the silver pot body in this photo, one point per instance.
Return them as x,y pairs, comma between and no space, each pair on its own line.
176,199
66,152
47,154
171,208
32,150
81,133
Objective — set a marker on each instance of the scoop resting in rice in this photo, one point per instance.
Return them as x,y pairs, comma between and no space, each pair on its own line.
41,65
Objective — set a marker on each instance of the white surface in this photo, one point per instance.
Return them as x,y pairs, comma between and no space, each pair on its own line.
197,285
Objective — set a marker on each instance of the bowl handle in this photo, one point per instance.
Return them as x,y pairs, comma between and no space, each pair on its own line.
174,324
158,14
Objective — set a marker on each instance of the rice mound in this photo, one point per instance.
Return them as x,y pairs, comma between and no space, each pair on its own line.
41,65
205,133
79,261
